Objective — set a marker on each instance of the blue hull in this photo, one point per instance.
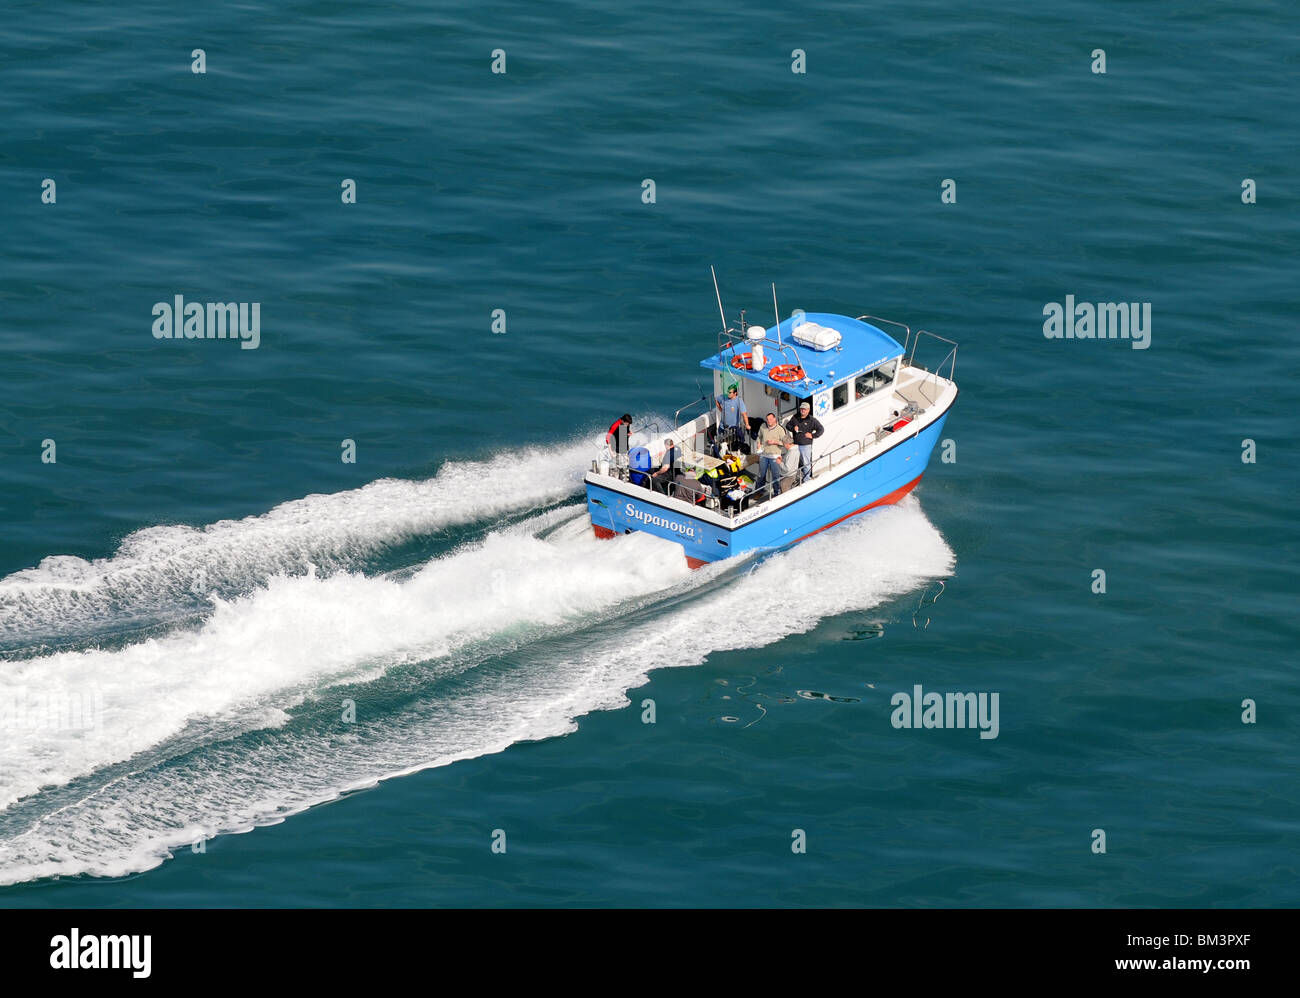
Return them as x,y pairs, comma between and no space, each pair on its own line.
884,479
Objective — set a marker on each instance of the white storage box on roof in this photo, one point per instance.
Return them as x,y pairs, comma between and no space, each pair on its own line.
816,337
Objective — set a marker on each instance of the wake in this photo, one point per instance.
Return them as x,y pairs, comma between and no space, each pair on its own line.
238,721
168,568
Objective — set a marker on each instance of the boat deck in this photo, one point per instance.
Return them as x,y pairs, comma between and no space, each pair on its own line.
914,388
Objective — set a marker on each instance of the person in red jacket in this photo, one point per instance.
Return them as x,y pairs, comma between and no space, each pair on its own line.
617,437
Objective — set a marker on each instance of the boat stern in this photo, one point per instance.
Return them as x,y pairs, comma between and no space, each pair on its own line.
617,508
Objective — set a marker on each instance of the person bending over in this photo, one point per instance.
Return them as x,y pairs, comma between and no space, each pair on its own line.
666,472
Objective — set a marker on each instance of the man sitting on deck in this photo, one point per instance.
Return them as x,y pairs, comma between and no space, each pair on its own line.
660,478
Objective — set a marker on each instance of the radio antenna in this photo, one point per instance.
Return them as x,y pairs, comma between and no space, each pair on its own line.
778,317
721,314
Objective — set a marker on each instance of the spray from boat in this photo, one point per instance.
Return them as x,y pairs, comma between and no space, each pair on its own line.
239,720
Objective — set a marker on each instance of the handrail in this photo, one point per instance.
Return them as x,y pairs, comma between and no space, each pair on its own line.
686,493
767,341
926,332
673,487
677,416
731,336
901,325
654,423
619,459
737,340
829,455
950,359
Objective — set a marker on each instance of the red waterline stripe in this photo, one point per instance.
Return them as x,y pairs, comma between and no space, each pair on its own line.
893,497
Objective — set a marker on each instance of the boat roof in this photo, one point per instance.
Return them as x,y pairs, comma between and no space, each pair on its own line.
862,347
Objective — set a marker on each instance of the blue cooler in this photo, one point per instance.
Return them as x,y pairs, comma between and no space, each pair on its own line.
638,461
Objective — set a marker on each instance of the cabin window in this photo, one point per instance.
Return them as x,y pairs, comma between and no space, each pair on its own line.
840,396
875,380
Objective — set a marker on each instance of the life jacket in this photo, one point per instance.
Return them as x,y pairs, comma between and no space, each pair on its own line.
731,467
899,425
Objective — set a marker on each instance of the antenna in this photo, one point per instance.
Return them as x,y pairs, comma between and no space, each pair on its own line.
778,317
721,314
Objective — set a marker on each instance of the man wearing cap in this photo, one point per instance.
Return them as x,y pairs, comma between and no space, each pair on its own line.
805,428
734,422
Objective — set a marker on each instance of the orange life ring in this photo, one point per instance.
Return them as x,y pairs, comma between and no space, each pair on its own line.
744,362
787,373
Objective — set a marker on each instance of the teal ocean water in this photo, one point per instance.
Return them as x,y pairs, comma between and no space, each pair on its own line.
320,683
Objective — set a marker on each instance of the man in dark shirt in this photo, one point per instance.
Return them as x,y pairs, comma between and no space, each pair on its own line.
805,428
660,478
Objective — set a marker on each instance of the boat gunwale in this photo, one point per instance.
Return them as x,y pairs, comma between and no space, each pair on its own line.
649,496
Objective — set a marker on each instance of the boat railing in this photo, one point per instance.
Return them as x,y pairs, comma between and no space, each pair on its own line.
748,500
704,410
950,359
901,325
830,459
604,452
694,492
753,496
647,428
737,344
699,494
690,492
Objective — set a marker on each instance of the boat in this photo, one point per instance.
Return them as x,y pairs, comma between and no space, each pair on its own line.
882,410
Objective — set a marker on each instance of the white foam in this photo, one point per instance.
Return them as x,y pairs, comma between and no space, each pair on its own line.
559,602
297,634
164,567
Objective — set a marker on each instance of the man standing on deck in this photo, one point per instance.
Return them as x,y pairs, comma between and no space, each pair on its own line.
773,442
734,422
805,428
616,438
